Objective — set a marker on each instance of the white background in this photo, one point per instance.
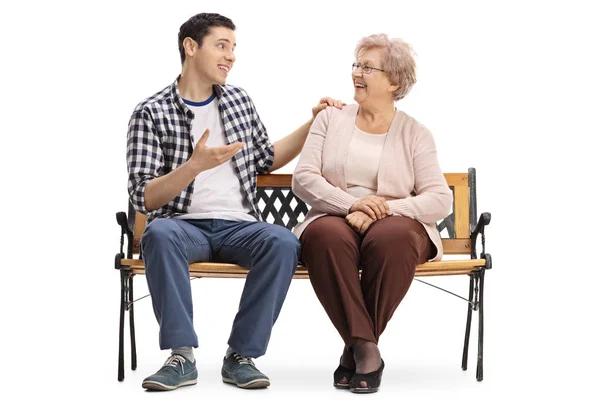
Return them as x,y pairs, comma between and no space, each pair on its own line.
508,87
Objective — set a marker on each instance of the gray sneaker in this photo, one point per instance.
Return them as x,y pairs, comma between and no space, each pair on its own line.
241,371
177,371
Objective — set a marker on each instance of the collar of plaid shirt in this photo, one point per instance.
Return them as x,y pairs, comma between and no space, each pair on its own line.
168,143
179,103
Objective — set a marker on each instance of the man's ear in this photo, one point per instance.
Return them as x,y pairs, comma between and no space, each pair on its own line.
190,46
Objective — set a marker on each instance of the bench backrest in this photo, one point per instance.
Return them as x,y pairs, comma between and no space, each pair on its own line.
279,205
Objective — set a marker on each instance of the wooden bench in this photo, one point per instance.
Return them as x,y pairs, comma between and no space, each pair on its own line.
279,205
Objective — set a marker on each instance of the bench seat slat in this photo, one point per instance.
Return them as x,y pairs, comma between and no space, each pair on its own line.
304,275
219,270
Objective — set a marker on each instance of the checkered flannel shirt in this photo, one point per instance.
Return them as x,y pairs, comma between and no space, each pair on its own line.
159,140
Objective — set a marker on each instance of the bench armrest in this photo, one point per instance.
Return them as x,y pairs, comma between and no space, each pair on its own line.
125,231
484,219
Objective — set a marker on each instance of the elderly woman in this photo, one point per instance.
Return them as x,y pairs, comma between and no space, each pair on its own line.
371,176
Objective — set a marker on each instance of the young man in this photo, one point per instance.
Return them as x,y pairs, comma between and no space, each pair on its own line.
194,150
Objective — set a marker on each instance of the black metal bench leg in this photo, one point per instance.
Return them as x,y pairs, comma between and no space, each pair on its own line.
121,371
468,329
480,347
132,326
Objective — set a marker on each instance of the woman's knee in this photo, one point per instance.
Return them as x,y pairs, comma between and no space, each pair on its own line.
396,236
326,232
329,245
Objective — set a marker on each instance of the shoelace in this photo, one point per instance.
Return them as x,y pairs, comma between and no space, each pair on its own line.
243,360
174,360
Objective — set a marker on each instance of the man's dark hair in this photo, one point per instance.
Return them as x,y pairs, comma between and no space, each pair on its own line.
198,26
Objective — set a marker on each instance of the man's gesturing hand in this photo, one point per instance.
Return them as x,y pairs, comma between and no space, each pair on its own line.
205,158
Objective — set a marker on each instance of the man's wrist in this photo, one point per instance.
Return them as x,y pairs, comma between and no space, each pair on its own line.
194,166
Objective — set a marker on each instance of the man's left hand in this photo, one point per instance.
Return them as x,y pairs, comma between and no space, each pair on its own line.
326,102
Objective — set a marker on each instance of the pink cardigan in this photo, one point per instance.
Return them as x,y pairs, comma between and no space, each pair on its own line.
409,174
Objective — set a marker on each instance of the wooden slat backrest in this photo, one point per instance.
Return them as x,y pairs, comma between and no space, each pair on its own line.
458,243
461,243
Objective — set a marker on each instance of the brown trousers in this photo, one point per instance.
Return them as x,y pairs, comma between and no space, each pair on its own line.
360,307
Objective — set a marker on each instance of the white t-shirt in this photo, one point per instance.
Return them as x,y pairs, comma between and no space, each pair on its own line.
362,162
218,193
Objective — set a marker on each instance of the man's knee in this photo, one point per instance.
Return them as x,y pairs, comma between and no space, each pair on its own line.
283,240
160,232
283,246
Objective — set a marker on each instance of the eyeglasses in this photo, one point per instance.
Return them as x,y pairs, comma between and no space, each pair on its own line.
366,69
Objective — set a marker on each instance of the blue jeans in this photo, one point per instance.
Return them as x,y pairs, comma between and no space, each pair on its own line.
270,252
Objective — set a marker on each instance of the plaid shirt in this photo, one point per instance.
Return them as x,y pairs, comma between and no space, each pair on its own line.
159,140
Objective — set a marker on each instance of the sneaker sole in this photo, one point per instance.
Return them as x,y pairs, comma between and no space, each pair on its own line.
154,385
255,384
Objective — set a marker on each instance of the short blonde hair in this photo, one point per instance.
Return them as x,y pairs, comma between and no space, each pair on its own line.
398,61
